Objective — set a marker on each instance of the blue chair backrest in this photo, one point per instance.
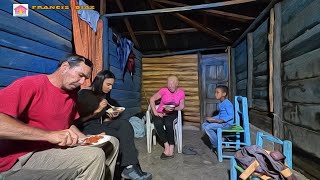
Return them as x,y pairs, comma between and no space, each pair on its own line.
241,111
286,145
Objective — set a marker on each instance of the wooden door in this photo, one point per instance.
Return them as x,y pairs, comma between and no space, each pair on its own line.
213,72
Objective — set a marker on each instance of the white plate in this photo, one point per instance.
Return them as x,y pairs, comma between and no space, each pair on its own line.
168,106
100,143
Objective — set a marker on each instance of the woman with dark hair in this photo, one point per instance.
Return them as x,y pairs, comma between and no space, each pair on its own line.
92,105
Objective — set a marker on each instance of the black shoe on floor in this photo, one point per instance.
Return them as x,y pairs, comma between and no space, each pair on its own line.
165,157
134,173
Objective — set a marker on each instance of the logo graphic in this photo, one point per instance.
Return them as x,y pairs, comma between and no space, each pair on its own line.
20,10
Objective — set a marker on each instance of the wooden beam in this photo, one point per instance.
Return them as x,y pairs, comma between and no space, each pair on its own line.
152,55
256,23
103,7
270,39
250,68
227,15
171,31
198,26
229,72
179,9
233,88
278,130
157,18
128,25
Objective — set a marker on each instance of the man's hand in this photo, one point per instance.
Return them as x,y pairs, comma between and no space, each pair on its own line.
65,137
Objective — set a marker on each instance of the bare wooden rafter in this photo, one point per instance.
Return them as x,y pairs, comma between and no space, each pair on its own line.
227,15
128,25
169,31
157,18
179,9
199,26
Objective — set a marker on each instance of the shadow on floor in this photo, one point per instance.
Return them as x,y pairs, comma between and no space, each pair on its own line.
203,166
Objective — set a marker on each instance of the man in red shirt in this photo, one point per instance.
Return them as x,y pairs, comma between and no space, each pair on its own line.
35,127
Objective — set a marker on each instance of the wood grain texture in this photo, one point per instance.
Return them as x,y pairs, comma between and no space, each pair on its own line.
302,67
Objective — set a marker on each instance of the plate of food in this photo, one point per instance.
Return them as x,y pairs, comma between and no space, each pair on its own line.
115,111
169,107
94,140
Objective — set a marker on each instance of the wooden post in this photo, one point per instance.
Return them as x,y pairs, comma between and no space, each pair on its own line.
270,38
250,68
233,74
229,72
103,7
277,87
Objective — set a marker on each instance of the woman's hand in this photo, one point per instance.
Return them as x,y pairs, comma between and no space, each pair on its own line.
103,103
159,114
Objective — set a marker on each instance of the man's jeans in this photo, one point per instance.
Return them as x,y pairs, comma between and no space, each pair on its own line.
211,131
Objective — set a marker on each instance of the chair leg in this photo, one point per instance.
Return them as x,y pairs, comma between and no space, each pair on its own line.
233,170
219,148
149,139
154,139
238,141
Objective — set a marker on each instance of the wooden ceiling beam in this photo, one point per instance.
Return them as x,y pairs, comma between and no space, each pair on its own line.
227,15
128,25
171,31
178,9
157,18
199,26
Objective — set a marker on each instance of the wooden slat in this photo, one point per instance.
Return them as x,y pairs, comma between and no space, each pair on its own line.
304,91
277,73
40,21
250,68
7,76
27,62
31,31
158,22
302,67
226,15
294,112
270,38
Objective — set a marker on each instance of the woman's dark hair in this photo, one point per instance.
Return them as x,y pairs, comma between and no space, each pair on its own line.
98,81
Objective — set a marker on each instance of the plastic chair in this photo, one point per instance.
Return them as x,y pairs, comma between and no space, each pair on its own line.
286,150
241,114
152,137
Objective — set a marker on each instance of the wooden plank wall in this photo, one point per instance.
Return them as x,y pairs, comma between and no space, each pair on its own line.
126,90
34,44
185,67
260,68
300,45
241,68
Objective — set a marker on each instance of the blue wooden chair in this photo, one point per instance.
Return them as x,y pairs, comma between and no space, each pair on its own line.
241,126
286,150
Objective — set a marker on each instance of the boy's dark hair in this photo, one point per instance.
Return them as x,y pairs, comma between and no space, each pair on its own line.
98,81
224,89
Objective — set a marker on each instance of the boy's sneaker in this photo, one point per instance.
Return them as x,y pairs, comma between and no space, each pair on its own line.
135,173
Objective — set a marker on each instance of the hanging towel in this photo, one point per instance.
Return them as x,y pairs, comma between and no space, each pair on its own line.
90,16
123,51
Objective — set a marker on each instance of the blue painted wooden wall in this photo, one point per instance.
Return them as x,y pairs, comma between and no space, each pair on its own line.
241,68
34,44
126,90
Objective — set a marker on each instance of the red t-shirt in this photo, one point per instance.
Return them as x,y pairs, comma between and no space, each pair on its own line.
37,102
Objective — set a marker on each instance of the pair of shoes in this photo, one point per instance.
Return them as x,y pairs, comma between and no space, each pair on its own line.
135,173
164,156
188,150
